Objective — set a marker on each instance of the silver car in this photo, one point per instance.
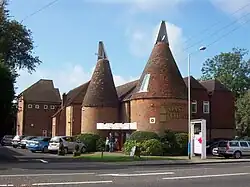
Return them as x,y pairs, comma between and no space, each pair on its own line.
234,148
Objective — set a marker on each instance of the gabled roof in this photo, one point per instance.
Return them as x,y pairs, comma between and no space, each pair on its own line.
42,91
161,77
77,94
101,91
194,83
125,89
214,85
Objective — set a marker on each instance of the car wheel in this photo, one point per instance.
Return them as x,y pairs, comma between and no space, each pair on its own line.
83,150
14,146
45,149
237,155
66,150
33,151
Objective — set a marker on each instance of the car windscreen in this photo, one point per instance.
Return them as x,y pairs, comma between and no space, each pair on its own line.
55,140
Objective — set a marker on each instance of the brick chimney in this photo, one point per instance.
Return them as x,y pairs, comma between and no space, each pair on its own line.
64,98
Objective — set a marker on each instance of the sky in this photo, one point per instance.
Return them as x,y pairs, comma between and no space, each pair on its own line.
66,35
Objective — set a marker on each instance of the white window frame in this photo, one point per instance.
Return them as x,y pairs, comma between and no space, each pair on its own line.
206,103
194,103
45,107
30,105
52,107
145,83
37,106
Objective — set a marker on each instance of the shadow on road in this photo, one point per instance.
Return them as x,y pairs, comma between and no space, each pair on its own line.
8,155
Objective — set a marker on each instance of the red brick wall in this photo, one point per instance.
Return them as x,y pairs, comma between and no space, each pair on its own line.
176,110
223,107
93,115
40,118
61,123
200,95
124,112
77,110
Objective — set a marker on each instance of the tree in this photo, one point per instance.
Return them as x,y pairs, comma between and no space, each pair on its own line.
242,115
6,96
16,43
230,69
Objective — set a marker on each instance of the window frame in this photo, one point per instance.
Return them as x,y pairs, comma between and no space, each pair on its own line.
30,106
145,83
244,143
206,103
194,102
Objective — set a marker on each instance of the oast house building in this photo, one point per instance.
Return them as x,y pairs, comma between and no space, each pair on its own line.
157,101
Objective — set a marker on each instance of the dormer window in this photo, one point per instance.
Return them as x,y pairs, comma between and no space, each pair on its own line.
145,83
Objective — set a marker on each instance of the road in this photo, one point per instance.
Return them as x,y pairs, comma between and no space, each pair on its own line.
75,174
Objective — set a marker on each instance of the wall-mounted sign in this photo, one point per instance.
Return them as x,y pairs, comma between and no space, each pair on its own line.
152,120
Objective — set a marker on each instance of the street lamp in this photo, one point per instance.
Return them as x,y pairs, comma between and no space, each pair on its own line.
190,144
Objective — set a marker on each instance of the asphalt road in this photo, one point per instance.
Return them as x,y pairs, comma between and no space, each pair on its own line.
75,174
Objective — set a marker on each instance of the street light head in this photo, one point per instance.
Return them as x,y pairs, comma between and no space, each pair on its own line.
202,48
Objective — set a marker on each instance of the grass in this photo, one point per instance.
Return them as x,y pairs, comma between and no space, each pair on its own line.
122,158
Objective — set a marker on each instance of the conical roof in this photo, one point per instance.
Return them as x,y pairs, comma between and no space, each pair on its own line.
101,91
161,77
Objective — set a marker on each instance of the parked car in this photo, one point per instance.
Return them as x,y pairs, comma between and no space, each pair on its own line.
234,148
38,144
7,140
69,144
212,146
16,141
25,140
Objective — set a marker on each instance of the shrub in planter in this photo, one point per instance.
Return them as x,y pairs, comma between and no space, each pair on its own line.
90,140
141,136
152,147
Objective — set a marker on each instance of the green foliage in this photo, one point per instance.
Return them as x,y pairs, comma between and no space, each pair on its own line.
140,136
230,69
182,143
100,144
242,115
152,147
16,43
128,146
90,140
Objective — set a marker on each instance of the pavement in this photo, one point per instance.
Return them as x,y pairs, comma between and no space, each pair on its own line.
76,174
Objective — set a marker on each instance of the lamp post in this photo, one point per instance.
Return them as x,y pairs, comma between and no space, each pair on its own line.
190,141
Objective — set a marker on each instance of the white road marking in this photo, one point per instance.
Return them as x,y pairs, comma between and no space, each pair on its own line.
46,174
70,183
136,174
172,170
206,176
59,183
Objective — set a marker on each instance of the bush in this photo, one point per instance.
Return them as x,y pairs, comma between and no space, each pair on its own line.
152,147
182,142
141,136
169,143
100,144
90,140
128,145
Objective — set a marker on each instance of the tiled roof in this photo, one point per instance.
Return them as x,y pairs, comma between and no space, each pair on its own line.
42,91
77,94
125,89
194,83
214,85
101,90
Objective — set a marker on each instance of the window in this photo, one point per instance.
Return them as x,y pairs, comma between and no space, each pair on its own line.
194,107
52,107
29,105
145,82
45,106
243,144
37,106
234,144
206,107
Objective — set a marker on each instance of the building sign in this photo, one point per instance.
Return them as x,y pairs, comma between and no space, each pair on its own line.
151,120
116,126
174,111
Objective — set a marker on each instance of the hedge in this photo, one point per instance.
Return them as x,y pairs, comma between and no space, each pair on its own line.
141,136
93,142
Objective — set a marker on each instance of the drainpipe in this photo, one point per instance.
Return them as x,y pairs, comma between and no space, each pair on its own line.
210,115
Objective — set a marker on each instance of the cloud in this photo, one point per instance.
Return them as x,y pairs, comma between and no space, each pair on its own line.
146,5
65,78
142,39
231,6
